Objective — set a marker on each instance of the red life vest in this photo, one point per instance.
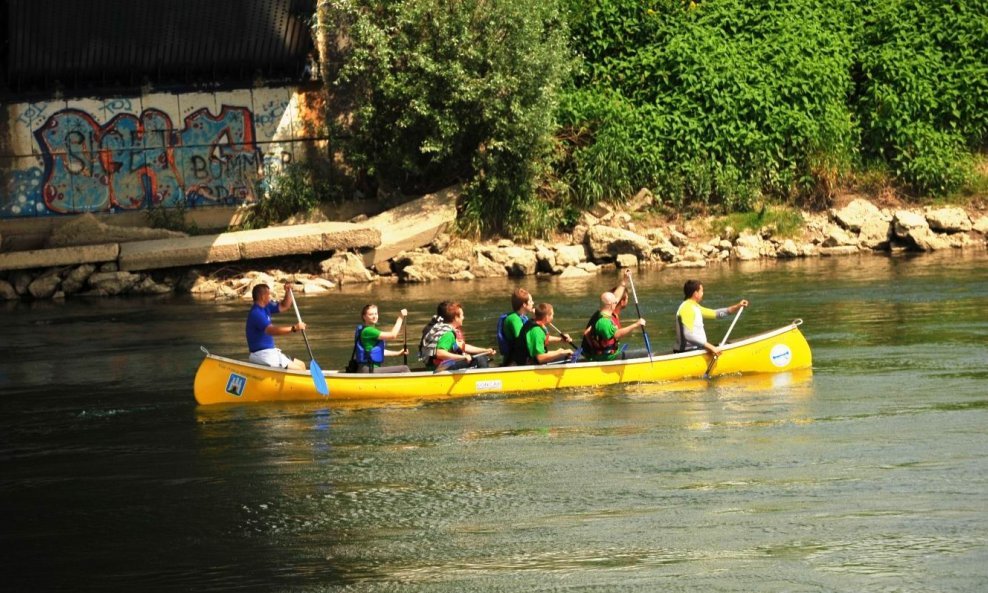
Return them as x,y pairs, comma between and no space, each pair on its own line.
595,345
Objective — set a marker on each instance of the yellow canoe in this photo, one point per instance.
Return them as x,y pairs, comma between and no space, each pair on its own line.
223,380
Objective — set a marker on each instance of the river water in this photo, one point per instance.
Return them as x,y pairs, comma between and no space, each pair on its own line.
868,474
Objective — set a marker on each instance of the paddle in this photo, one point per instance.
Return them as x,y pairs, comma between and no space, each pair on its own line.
556,329
713,361
404,345
634,295
317,377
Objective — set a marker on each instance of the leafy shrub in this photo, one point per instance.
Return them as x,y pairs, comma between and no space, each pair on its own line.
445,92
293,190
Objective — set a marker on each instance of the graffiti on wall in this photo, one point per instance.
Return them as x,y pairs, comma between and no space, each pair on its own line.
136,162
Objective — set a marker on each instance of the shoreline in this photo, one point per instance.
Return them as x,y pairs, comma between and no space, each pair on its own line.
626,236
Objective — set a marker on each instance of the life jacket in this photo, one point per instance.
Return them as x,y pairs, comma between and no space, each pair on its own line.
363,356
504,345
430,337
519,352
593,344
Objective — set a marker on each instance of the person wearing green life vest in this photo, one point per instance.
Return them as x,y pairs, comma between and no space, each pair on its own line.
532,345
369,344
509,325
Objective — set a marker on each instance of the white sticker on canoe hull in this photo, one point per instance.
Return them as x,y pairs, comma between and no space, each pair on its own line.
490,385
781,355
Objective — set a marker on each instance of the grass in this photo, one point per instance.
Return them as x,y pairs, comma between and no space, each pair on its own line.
784,222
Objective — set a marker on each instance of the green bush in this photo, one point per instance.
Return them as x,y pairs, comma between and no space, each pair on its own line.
293,190
713,104
922,89
446,92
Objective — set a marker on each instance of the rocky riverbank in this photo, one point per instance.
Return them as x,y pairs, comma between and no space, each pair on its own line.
626,236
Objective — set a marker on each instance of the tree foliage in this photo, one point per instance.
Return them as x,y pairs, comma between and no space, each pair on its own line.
449,91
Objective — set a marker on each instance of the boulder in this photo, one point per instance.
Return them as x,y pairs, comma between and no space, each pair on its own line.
464,275
7,292
575,272
112,283
347,268
641,201
45,285
317,286
606,243
546,260
836,236
484,267
627,260
570,255
875,234
788,249
413,274
438,265
858,214
949,220
981,225
839,250
75,280
148,286
904,222
925,239
521,261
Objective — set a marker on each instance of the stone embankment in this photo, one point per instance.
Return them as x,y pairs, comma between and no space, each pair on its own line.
412,249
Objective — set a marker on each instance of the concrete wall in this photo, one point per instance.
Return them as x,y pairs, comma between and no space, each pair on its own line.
126,154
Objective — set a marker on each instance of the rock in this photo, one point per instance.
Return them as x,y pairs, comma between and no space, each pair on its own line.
21,280
580,234
85,229
575,272
464,275
857,214
113,283
460,249
837,236
588,267
678,239
438,265
666,251
905,222
7,292
440,243
225,292
204,287
641,201
875,233
749,240
521,261
605,243
839,250
317,286
926,240
109,266
627,260
45,285
484,267
788,249
148,286
949,220
412,274
347,268
546,260
689,264
981,225
76,279
570,255
743,253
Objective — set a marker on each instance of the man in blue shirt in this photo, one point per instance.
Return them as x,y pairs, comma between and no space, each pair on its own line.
260,329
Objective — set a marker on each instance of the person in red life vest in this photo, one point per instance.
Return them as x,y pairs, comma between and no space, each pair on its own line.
601,338
369,344
260,330
532,344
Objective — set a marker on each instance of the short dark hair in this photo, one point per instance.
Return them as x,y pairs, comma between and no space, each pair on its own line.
690,287
518,298
255,293
542,311
448,310
366,308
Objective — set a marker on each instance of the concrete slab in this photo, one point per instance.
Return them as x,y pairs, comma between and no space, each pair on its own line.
413,224
59,256
170,253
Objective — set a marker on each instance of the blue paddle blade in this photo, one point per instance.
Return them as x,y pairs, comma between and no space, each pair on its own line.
576,355
648,343
318,378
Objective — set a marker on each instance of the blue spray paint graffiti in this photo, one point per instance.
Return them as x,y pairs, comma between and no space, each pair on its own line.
133,162
20,193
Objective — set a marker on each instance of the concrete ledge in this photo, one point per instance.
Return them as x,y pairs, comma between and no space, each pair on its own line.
246,245
171,253
59,256
413,224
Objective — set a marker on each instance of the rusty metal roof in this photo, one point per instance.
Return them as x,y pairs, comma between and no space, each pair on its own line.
92,45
